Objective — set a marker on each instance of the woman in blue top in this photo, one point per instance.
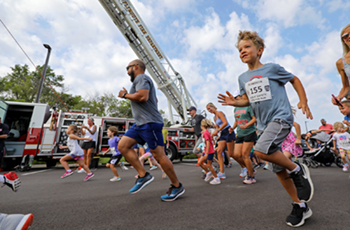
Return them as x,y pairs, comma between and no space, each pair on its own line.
225,137
343,65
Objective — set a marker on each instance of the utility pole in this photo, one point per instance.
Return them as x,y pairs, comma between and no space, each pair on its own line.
37,100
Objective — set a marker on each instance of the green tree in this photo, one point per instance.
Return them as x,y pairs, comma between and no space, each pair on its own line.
22,84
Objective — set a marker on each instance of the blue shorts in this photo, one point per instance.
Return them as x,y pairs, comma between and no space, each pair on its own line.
150,133
225,135
210,156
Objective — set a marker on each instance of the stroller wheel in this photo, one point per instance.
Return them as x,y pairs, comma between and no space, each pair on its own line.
339,162
328,164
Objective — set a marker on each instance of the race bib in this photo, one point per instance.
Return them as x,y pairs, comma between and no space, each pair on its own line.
258,90
113,151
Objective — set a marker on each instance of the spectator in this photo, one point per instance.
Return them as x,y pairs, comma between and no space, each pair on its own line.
196,127
327,128
4,131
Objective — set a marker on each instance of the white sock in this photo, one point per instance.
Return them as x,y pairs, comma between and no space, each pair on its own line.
296,169
2,179
302,205
89,173
69,170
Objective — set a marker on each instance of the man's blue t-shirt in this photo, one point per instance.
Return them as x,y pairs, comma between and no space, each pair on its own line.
267,97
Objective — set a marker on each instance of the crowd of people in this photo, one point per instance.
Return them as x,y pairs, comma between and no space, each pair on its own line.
263,120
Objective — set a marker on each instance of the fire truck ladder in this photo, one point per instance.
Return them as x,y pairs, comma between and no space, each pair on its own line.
170,82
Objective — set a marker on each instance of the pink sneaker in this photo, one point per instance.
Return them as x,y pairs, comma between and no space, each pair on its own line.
66,174
88,177
163,175
249,180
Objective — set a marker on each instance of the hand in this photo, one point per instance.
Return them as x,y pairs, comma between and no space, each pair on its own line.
89,139
243,126
230,130
297,142
215,133
186,129
334,101
227,99
121,92
60,147
305,109
104,153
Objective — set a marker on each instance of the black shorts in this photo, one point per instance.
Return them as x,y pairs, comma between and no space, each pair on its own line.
225,135
249,138
88,145
115,159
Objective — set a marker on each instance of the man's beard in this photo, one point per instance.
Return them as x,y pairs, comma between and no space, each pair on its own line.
132,76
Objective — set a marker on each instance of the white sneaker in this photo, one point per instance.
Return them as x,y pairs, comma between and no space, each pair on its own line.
115,179
208,176
81,171
215,181
222,175
123,167
243,172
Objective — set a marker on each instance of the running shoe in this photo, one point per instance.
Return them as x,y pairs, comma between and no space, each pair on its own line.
115,179
123,167
89,176
266,167
243,172
163,175
141,182
173,193
222,175
153,168
208,176
203,175
345,168
16,221
298,215
81,171
66,174
12,180
215,181
249,180
303,183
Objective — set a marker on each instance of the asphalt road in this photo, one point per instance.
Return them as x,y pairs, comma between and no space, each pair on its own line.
71,203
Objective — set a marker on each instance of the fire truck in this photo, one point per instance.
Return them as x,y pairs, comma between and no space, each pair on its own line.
36,132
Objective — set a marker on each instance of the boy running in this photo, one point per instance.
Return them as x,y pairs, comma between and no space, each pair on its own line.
262,87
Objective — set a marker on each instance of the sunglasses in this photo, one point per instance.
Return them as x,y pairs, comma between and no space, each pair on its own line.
345,36
127,68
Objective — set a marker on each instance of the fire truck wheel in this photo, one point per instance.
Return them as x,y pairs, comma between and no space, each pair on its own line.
171,152
51,163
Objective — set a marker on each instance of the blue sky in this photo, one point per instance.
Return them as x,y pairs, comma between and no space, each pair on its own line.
198,36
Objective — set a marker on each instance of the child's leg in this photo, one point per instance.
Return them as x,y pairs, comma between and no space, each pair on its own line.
277,158
288,185
342,155
151,159
64,161
210,166
150,162
204,167
114,170
288,154
81,164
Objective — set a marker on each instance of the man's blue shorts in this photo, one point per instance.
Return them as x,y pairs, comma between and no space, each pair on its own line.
150,133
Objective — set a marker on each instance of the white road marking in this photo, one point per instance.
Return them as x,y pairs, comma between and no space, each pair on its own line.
26,174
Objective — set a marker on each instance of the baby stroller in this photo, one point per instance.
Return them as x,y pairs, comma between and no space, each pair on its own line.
322,153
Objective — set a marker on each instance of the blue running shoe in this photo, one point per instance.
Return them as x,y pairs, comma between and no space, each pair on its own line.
173,193
141,182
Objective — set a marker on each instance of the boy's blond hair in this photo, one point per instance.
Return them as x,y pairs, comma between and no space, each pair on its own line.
346,103
250,35
206,123
338,125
